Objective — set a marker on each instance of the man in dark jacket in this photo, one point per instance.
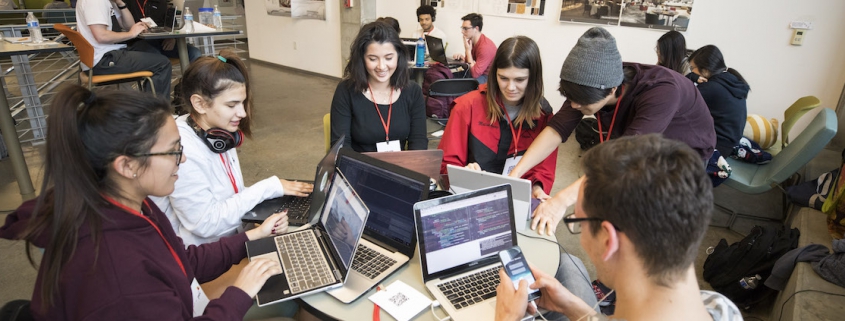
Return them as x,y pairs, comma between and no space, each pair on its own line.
158,11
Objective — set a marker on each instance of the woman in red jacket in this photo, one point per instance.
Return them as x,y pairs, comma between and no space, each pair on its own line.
110,253
489,129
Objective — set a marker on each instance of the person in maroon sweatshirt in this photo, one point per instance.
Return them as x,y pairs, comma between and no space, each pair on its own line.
109,252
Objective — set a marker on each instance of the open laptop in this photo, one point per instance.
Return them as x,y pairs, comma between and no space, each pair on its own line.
426,162
301,210
318,258
462,180
438,52
389,191
460,237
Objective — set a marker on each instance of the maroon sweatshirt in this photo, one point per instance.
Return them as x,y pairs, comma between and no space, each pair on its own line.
657,100
134,275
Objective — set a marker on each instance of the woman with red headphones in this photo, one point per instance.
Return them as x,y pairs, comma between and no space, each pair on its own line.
210,195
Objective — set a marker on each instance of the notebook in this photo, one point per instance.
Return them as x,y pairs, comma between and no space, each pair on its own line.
301,210
389,191
318,258
462,180
459,238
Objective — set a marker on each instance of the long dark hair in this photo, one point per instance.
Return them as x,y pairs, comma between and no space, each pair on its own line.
518,52
671,51
210,76
356,69
85,133
710,58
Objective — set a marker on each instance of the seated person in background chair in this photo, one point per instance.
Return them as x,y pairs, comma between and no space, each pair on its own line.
672,52
642,212
95,24
426,15
491,128
210,196
478,49
375,105
158,11
57,4
725,91
628,99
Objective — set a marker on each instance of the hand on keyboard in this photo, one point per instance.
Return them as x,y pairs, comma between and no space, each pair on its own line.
256,272
296,188
273,225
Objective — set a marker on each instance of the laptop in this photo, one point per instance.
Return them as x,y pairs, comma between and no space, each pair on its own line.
438,52
318,258
389,191
460,237
301,210
426,162
462,180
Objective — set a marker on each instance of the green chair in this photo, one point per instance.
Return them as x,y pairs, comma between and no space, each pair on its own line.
794,112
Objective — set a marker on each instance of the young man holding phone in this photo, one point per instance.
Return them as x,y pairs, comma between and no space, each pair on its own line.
643,240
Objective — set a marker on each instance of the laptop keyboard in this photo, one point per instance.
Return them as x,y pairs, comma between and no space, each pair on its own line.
303,262
297,207
370,263
471,289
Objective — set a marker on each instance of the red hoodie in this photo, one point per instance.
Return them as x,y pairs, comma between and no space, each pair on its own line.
135,276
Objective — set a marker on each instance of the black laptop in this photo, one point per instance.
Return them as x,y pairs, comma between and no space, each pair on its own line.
301,210
438,53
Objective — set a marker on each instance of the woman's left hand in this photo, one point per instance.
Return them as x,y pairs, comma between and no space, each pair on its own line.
273,225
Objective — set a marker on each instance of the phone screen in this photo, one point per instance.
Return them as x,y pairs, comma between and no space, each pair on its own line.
517,269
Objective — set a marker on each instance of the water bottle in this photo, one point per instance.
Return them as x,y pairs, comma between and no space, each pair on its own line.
420,52
217,20
189,20
750,282
205,15
34,28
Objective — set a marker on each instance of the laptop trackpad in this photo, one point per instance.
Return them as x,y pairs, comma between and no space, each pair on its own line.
273,257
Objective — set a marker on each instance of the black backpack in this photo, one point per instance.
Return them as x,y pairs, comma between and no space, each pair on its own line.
587,133
732,270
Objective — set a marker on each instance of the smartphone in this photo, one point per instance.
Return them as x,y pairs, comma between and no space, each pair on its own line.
517,269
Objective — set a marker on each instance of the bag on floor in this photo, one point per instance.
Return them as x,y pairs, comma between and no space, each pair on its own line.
834,206
813,193
440,106
739,270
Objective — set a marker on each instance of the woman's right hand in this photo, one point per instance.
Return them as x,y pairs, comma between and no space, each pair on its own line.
473,166
253,276
297,188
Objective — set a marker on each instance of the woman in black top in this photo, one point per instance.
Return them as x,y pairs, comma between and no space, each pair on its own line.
375,105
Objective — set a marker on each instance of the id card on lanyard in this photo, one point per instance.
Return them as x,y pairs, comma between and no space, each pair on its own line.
387,145
511,162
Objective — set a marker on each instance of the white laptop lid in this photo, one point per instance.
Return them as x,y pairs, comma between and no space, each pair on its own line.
462,180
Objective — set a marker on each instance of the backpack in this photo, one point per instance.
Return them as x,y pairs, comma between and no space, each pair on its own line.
437,106
732,269
587,133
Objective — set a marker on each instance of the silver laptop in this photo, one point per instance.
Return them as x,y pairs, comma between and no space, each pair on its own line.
318,258
389,191
462,180
460,237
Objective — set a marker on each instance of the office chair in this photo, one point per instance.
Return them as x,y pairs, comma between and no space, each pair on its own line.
450,88
86,57
327,131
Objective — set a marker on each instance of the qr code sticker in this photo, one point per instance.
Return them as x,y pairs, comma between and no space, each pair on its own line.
398,299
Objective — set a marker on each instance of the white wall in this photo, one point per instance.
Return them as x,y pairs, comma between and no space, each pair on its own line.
311,45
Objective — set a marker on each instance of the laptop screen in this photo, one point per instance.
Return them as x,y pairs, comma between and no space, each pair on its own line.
436,49
389,195
344,222
462,230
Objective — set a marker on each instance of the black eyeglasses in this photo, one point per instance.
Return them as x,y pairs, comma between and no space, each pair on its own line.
574,224
177,153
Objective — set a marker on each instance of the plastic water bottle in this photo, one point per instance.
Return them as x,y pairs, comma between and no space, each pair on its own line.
420,52
205,15
34,28
217,19
189,20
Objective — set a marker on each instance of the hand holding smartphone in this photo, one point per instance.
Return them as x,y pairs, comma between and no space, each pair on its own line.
517,269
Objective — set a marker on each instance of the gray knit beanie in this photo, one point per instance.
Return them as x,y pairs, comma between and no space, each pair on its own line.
594,61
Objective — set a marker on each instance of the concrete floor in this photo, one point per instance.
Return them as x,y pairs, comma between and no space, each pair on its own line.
287,142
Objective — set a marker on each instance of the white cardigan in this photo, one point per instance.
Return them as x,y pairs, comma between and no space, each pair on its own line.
204,206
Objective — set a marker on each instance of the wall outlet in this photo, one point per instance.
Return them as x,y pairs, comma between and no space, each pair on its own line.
798,37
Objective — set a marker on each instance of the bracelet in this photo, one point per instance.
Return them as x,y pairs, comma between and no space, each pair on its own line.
121,8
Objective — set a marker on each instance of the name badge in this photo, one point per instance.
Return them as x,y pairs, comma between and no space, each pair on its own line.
200,300
510,163
391,146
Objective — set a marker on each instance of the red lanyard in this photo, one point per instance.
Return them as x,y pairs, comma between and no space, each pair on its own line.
612,120
142,8
389,112
514,133
230,173
138,214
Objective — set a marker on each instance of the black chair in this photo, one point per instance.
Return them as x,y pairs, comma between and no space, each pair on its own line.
651,19
603,11
450,88
17,310
587,9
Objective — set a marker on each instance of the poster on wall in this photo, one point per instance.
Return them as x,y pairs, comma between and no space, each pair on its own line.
513,8
300,9
277,7
604,12
657,14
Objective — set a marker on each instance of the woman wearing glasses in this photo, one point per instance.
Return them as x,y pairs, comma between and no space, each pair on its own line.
210,197
109,251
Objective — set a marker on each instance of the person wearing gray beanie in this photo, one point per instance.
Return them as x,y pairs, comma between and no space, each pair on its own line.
627,99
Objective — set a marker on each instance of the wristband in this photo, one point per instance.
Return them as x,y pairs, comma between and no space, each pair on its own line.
121,8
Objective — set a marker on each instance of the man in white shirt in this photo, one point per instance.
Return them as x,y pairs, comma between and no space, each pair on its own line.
94,22
641,212
425,16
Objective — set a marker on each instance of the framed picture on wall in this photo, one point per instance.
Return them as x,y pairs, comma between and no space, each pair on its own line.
604,12
657,14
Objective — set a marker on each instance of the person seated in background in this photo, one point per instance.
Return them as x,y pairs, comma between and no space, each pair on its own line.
426,15
8,5
158,11
478,49
392,22
725,91
672,52
628,99
94,22
491,127
57,4
641,213
375,106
